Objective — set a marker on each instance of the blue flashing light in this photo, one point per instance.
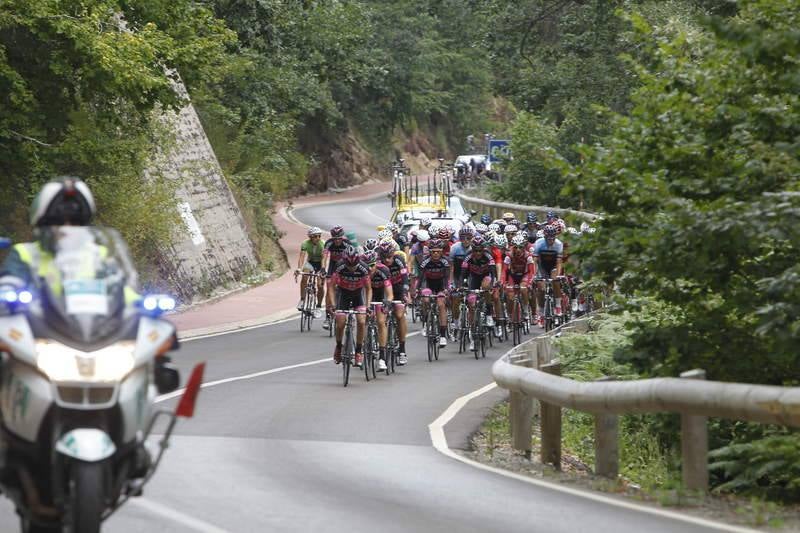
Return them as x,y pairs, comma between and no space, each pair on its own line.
150,303
9,296
166,303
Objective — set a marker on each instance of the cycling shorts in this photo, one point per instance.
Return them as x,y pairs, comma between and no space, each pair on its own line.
312,266
399,292
435,285
377,294
518,279
476,282
346,300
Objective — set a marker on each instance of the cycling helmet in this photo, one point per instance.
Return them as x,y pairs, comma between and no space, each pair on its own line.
370,244
500,241
478,242
435,244
337,232
391,226
465,232
314,231
540,234
385,249
443,233
549,231
481,228
423,236
401,241
519,241
370,257
551,215
384,234
507,216
486,219
560,226
351,255
511,228
63,201
494,227
531,217
524,234
425,221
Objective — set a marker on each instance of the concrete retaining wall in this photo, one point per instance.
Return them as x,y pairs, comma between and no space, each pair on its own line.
211,247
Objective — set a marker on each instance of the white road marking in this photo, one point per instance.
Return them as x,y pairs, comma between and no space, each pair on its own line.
176,516
175,394
439,441
238,330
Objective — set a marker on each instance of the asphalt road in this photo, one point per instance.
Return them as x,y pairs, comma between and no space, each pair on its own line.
287,448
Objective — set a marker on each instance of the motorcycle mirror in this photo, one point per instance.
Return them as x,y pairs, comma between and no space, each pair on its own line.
185,407
167,378
5,243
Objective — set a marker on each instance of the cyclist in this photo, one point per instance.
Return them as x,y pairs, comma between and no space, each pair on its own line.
350,280
399,278
531,223
547,256
518,270
511,231
381,280
458,252
332,254
479,271
434,273
310,260
370,245
417,253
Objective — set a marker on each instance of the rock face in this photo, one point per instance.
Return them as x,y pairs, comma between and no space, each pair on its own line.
211,248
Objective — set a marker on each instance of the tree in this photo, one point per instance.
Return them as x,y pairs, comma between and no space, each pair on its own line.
698,186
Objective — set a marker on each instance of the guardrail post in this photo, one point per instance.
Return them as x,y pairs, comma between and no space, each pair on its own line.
606,443
694,444
521,414
551,424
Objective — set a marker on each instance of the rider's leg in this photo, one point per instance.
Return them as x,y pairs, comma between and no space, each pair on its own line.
380,318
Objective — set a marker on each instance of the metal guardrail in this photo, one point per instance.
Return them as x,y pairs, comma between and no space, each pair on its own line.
530,372
495,209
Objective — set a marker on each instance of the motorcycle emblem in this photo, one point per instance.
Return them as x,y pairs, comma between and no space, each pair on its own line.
85,366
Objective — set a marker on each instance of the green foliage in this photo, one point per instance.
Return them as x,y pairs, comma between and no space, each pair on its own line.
698,187
528,176
79,83
767,467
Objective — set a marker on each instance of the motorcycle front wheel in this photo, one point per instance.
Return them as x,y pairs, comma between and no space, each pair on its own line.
87,484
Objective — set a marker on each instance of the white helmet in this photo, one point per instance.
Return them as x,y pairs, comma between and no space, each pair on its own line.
63,201
494,228
481,228
500,241
425,221
384,234
313,230
423,236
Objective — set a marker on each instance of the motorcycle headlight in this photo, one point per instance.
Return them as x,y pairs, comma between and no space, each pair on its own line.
62,363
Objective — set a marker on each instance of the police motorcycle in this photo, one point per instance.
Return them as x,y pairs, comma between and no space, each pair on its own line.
83,359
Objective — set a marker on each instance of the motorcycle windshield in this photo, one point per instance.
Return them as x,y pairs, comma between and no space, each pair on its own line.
82,276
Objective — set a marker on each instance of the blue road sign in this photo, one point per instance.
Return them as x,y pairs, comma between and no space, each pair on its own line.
499,149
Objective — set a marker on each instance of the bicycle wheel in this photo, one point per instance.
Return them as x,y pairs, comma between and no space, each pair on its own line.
349,351
516,322
476,333
548,313
367,351
433,342
303,320
391,344
483,346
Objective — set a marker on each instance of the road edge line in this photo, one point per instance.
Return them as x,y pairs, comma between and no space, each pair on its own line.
177,516
439,442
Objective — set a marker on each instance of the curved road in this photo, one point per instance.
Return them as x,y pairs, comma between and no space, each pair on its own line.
287,448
